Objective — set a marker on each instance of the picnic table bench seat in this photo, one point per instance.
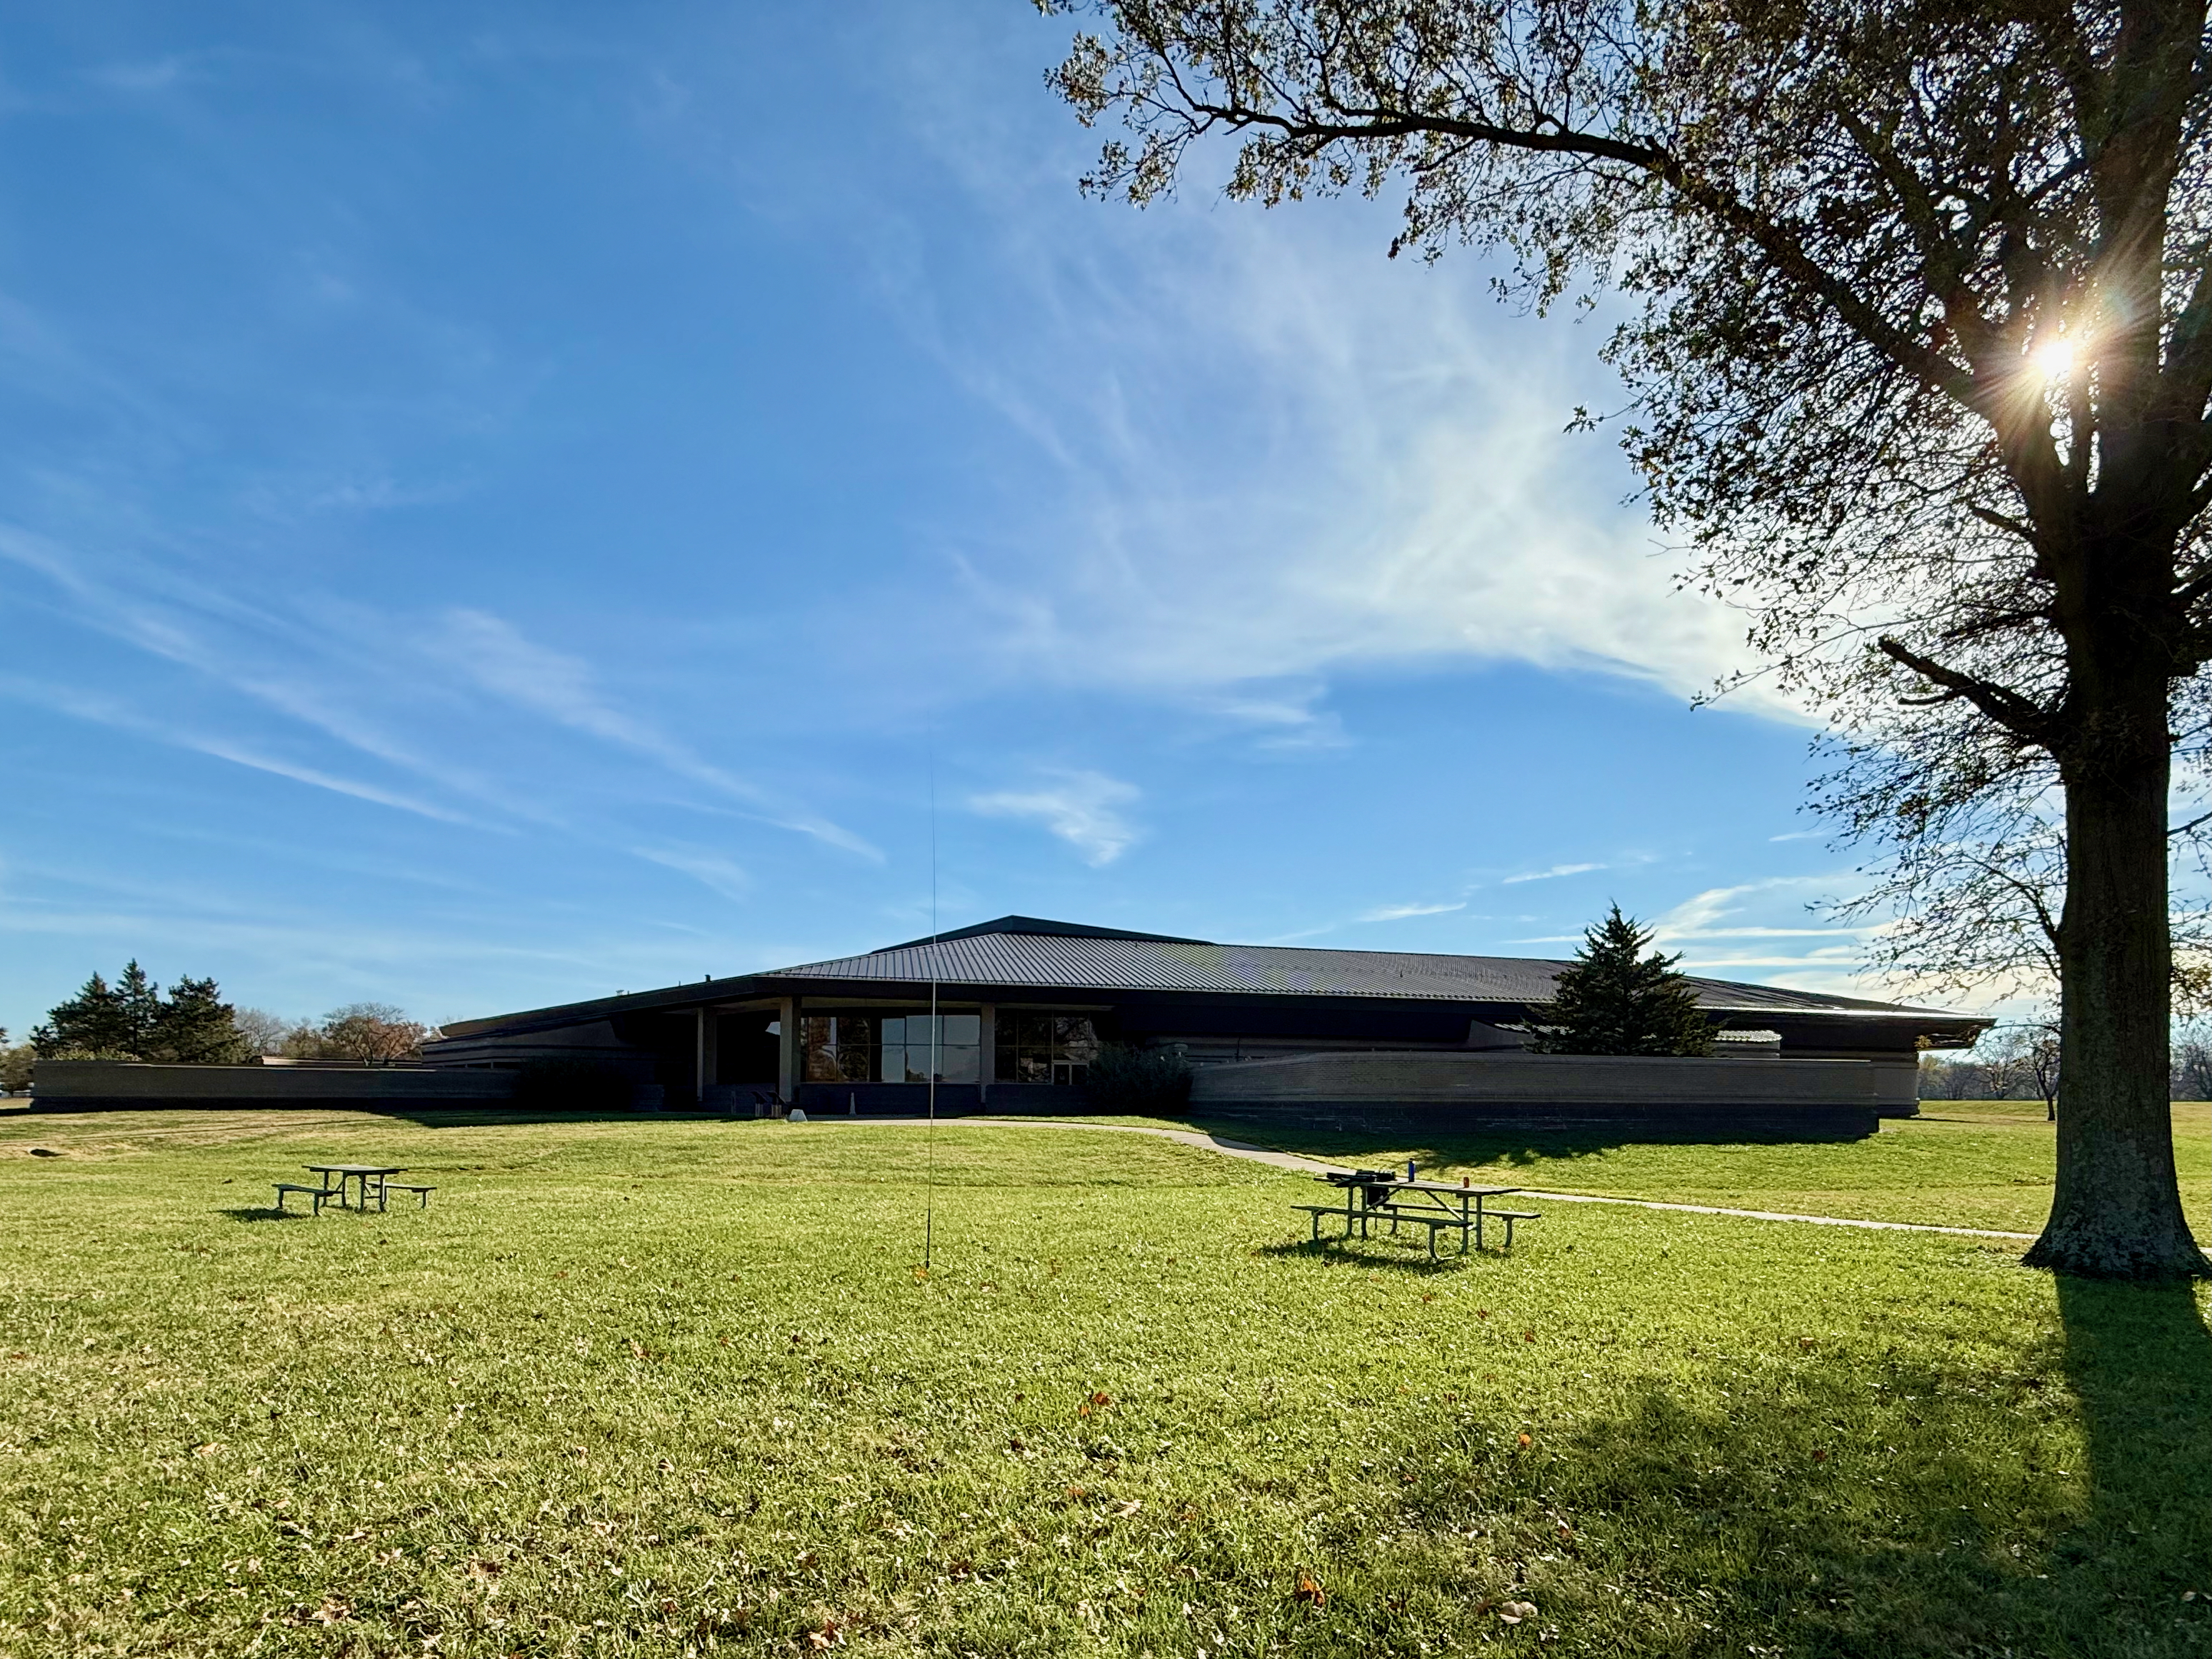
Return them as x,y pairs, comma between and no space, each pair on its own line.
422,1193
316,1195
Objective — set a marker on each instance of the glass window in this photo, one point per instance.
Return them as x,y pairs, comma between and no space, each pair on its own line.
1045,1047
908,1044
839,1047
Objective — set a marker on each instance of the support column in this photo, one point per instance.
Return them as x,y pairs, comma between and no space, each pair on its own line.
787,1051
987,1061
707,1060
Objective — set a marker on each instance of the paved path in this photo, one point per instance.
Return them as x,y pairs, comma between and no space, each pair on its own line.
1245,1149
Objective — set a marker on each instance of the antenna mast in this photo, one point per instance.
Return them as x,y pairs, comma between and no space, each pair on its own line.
929,1188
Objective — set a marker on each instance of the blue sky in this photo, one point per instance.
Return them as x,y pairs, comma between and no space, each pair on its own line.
501,504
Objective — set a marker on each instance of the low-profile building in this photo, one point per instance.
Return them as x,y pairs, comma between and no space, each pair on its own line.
1023,1006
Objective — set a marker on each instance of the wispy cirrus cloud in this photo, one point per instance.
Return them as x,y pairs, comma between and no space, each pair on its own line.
117,715
1084,808
1556,871
711,870
561,688
1391,482
1400,912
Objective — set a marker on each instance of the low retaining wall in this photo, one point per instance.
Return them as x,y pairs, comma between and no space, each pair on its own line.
79,1085
1447,1091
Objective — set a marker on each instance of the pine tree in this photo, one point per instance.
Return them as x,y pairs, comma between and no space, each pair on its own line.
138,1000
195,1027
90,1025
1613,999
131,1020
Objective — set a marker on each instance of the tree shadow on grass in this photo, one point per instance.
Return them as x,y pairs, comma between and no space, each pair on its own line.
1516,1148
1870,1503
265,1213
2140,1360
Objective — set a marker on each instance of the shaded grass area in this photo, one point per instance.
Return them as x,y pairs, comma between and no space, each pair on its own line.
1962,1164
666,1388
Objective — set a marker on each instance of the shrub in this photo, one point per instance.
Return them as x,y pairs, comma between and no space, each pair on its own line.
1141,1082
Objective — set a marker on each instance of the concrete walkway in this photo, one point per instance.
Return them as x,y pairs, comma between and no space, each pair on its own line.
1245,1149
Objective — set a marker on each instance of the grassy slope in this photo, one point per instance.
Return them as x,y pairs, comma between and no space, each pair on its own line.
660,1388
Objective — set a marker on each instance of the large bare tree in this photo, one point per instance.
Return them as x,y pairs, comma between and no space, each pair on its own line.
1920,364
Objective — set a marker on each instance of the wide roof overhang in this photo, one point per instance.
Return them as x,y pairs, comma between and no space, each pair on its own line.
1021,959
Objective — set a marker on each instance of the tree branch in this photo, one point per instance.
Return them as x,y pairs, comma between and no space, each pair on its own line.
1923,363
2022,716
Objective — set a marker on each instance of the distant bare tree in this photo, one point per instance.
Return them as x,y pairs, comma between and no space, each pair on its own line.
2007,1067
17,1060
2044,1054
373,1031
2192,1063
264,1032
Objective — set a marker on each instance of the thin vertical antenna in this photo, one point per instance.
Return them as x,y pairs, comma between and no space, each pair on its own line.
929,1186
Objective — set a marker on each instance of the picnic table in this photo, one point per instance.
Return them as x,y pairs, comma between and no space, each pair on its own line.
1373,1195
362,1173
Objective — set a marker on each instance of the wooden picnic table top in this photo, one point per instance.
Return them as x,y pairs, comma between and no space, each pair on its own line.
1399,1183
357,1168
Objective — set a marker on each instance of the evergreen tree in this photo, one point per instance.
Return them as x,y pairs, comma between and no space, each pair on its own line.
138,998
1613,999
131,1020
195,1027
90,1025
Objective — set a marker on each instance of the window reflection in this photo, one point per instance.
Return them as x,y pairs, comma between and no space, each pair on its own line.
1045,1047
907,1045
891,1048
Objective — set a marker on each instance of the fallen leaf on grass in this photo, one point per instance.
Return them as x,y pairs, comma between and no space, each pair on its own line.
1102,1399
1819,1456
332,1610
1125,1511
1526,1441
208,1450
1512,1613
1309,1592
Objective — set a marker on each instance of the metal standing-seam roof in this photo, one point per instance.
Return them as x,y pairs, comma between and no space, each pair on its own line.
1069,958
1090,962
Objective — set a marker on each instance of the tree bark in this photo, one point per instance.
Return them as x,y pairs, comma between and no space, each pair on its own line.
2117,1210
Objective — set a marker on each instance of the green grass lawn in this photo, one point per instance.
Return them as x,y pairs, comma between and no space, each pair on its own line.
1961,1163
666,1387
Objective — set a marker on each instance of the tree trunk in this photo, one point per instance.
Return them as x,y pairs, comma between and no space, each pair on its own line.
2117,1210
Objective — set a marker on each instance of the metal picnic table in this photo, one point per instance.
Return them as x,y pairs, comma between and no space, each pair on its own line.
363,1173
1372,1195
